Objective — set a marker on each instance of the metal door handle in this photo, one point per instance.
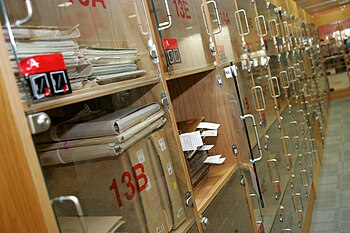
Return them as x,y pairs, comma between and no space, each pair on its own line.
284,79
270,164
166,25
78,208
285,25
256,136
29,15
297,70
261,215
304,180
272,87
138,19
239,23
292,74
255,91
296,132
217,18
295,197
284,139
258,26
273,24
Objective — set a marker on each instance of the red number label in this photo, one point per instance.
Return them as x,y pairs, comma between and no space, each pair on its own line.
93,2
225,18
127,179
182,9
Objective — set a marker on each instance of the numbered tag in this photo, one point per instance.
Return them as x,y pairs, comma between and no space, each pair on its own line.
171,50
46,75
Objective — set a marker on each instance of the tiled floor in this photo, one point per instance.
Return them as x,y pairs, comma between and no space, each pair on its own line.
332,206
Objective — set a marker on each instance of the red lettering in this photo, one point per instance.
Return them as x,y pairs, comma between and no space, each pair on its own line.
187,10
84,2
129,184
140,176
100,1
182,9
114,187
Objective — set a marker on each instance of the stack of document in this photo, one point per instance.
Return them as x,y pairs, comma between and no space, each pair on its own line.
111,64
33,40
107,135
192,133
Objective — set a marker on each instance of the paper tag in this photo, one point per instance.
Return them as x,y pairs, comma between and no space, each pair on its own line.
228,72
162,144
190,141
140,156
208,125
175,185
170,168
160,228
180,212
149,186
215,159
206,147
210,133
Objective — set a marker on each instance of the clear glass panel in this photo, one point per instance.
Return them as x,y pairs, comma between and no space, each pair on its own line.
186,34
108,150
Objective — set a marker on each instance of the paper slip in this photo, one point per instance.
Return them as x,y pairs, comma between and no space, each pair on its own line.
215,159
206,147
210,133
191,141
207,125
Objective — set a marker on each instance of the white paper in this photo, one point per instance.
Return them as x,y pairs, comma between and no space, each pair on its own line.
228,72
216,159
206,147
210,133
208,125
191,141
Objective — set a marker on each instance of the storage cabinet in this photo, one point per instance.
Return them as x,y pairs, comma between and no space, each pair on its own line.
144,73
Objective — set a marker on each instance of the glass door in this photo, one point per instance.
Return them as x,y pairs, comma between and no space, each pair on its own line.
99,115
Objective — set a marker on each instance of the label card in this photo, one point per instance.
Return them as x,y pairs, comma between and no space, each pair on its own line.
208,125
206,147
191,141
216,159
210,133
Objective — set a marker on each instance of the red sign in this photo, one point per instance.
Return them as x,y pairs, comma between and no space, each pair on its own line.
42,64
169,43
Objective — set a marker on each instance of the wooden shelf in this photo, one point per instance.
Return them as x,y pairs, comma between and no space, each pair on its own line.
91,93
218,177
176,75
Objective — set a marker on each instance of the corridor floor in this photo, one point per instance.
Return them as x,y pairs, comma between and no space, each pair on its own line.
332,206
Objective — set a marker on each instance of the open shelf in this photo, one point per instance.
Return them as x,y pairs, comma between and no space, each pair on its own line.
91,93
206,191
176,75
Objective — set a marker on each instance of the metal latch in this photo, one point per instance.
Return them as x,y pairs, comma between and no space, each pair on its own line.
153,51
189,200
39,122
165,100
204,221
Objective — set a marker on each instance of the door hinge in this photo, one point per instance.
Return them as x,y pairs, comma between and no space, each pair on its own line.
165,100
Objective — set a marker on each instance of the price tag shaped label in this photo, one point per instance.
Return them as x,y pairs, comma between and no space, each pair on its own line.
172,50
46,75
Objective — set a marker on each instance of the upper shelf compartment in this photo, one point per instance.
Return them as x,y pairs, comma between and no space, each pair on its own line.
183,36
107,48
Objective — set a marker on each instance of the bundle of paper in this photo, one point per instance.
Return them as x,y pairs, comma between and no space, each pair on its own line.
112,64
32,41
109,135
96,224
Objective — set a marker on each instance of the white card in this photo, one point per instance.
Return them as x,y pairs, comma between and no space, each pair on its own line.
206,147
228,72
215,159
210,133
208,125
191,141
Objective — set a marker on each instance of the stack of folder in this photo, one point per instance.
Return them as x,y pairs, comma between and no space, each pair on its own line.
111,64
134,134
108,135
